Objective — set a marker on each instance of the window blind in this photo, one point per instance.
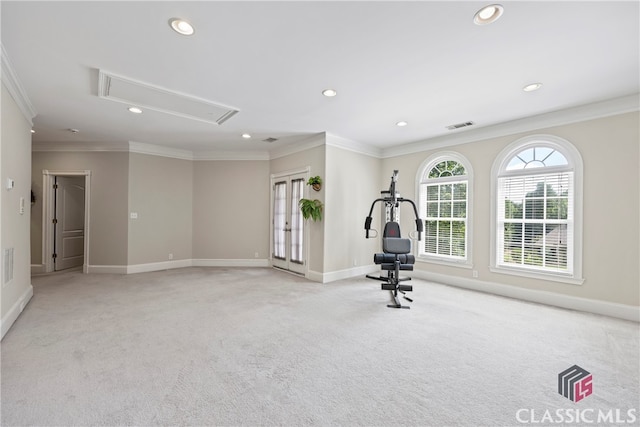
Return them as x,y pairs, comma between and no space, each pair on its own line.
444,207
535,221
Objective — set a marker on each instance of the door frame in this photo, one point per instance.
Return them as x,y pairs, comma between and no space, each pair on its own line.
48,213
306,171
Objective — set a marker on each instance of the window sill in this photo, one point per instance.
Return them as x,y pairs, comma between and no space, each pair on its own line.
441,261
562,278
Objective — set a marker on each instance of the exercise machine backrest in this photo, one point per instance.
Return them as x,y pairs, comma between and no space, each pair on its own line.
392,202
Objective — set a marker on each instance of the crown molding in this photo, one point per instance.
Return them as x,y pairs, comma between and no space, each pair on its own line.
175,153
77,147
11,81
315,140
148,149
157,150
581,113
357,147
231,155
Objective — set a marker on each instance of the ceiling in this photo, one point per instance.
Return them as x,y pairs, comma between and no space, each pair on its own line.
423,62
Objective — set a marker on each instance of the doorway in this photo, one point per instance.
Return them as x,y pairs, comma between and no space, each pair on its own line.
68,224
288,236
65,230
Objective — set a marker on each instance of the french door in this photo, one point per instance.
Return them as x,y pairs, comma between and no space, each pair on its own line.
288,242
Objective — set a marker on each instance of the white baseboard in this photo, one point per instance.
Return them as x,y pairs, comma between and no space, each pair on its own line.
37,268
106,269
620,311
315,276
181,263
251,262
158,266
12,315
348,273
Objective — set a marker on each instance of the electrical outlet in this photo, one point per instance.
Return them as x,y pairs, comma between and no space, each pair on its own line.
170,257
475,274
256,255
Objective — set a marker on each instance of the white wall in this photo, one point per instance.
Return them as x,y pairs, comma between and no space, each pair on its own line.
15,160
231,212
610,151
161,194
352,184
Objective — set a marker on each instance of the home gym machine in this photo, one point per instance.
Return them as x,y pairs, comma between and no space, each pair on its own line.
395,256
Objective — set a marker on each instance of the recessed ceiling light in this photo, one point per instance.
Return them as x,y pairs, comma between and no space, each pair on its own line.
246,135
531,87
402,123
488,14
73,130
181,26
329,92
135,110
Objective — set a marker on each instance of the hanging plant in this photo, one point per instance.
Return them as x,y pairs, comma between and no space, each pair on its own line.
315,182
311,209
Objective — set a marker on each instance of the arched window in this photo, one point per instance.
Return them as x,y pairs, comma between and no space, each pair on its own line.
537,183
444,204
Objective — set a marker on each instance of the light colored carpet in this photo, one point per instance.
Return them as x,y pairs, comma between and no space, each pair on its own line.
217,346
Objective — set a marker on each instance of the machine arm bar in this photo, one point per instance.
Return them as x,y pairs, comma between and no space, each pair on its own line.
367,222
419,223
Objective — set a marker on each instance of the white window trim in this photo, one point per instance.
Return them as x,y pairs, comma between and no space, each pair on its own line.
575,164
427,164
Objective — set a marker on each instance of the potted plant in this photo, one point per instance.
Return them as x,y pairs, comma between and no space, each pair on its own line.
315,182
311,209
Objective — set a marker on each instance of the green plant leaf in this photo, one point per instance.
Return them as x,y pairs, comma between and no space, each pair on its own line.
311,209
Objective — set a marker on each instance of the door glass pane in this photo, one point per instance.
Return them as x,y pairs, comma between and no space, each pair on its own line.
297,187
279,219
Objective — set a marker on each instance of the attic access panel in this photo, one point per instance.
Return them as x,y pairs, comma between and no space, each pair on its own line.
144,95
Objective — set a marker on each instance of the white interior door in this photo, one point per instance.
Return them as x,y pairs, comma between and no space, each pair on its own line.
289,245
69,222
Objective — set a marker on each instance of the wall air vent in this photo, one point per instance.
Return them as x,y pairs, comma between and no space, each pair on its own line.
460,125
270,140
7,266
144,95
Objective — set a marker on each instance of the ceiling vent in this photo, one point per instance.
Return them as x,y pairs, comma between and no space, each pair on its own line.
460,125
270,140
131,92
